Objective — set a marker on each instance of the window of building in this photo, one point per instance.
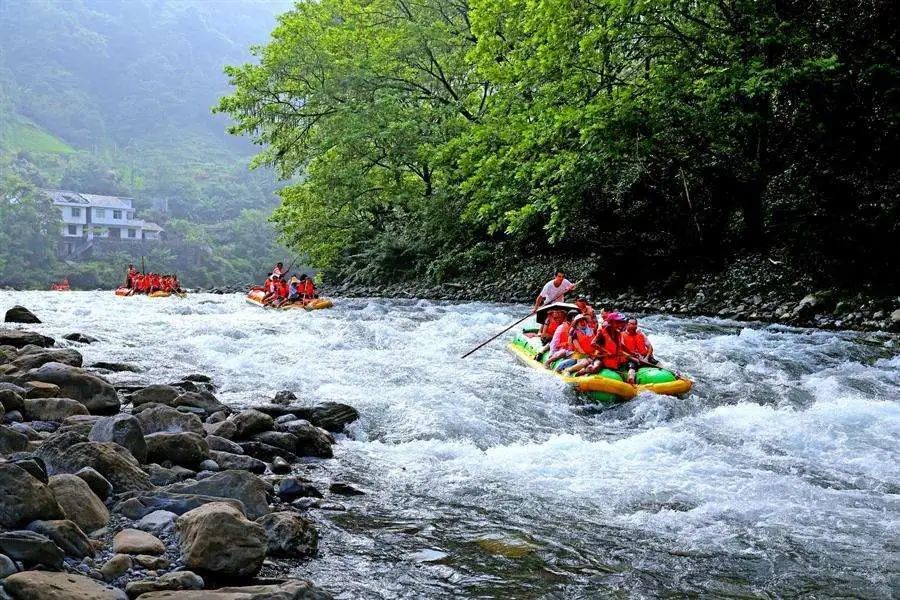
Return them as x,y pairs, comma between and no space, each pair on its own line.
73,230
130,214
132,233
100,213
76,212
117,214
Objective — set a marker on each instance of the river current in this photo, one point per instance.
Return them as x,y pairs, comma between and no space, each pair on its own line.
777,476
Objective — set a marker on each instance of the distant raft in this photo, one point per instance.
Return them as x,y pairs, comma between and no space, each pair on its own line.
606,386
256,296
124,291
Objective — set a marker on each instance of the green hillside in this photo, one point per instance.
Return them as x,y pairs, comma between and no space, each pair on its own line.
18,134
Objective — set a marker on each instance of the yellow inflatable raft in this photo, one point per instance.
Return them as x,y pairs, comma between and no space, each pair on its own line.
256,296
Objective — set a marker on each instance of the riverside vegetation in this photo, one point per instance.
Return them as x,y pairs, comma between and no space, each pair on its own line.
152,491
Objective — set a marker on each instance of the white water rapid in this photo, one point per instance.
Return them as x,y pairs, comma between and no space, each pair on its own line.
777,476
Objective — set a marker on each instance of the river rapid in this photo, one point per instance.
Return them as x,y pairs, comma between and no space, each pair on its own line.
777,476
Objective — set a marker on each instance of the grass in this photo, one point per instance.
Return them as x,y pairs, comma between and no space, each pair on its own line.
20,134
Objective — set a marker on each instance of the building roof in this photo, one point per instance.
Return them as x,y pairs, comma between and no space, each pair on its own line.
148,226
65,197
94,200
107,201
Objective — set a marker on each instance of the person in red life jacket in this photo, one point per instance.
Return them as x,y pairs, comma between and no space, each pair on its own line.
307,289
279,293
176,285
581,338
561,344
587,311
139,284
129,276
638,347
608,346
554,320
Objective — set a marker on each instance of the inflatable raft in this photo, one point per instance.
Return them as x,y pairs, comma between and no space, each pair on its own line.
124,291
256,296
607,386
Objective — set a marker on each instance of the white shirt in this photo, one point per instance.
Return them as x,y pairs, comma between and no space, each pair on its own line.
277,272
551,293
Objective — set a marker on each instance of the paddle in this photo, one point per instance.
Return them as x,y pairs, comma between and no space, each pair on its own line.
494,337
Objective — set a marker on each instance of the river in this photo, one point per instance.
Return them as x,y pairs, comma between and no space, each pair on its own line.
777,476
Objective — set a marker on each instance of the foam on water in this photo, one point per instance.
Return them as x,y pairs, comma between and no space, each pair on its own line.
777,475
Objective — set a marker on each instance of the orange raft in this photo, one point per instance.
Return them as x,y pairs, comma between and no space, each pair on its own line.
256,296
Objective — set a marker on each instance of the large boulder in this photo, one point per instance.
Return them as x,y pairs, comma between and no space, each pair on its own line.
310,440
332,416
135,541
141,504
68,453
223,429
66,535
218,538
125,430
221,444
24,498
279,439
241,462
204,401
250,421
176,580
156,393
45,585
31,548
81,338
185,449
52,409
12,440
20,314
10,399
97,482
79,502
245,487
289,534
20,339
159,418
266,452
32,357
98,396
158,522
293,589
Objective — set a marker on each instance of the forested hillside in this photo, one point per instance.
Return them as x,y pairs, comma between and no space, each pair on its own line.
657,136
115,98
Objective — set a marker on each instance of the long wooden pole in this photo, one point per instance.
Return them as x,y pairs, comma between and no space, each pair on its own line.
494,337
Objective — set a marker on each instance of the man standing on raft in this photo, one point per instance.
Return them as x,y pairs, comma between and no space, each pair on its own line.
553,291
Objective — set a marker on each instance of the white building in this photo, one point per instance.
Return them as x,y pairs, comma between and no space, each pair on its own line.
88,216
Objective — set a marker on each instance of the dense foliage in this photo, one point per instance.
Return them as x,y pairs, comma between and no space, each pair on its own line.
114,98
433,134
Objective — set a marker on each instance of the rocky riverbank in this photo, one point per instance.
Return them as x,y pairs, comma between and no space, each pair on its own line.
756,288
151,492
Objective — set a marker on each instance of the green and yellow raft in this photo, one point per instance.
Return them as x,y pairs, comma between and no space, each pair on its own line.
607,386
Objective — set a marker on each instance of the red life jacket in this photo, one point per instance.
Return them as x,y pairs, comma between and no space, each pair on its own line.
270,286
635,344
583,342
563,330
308,290
608,341
281,289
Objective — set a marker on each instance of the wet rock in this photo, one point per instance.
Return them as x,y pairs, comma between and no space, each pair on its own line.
289,534
67,536
141,504
34,465
178,580
218,538
154,563
158,418
97,482
280,466
228,461
11,440
156,393
116,566
279,439
221,444
245,487
217,417
20,314
344,489
250,421
333,416
895,320
51,409
135,541
97,395
287,419
23,498
31,548
112,461
284,398
266,452
7,566
117,367
32,357
186,449
222,429
39,389
290,488
293,589
311,440
11,399
20,339
160,475
204,401
81,338
79,502
45,585
123,429
12,416
79,424
158,522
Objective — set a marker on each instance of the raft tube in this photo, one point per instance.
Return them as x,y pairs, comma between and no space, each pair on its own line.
256,296
124,291
607,386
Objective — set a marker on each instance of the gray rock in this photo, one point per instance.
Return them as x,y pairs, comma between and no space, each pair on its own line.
280,466
289,534
333,416
116,566
279,439
209,465
266,452
135,541
310,440
32,357
156,393
45,585
7,566
250,421
31,548
245,487
223,429
97,482
67,536
64,453
177,580
81,338
205,401
221,444
895,320
34,465
159,418
10,399
12,416
285,419
158,522
344,489
97,395
20,339
294,589
124,430
116,367
228,461
160,475
79,502
20,314
186,449
24,499
141,504
290,488
52,409
217,538
11,440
